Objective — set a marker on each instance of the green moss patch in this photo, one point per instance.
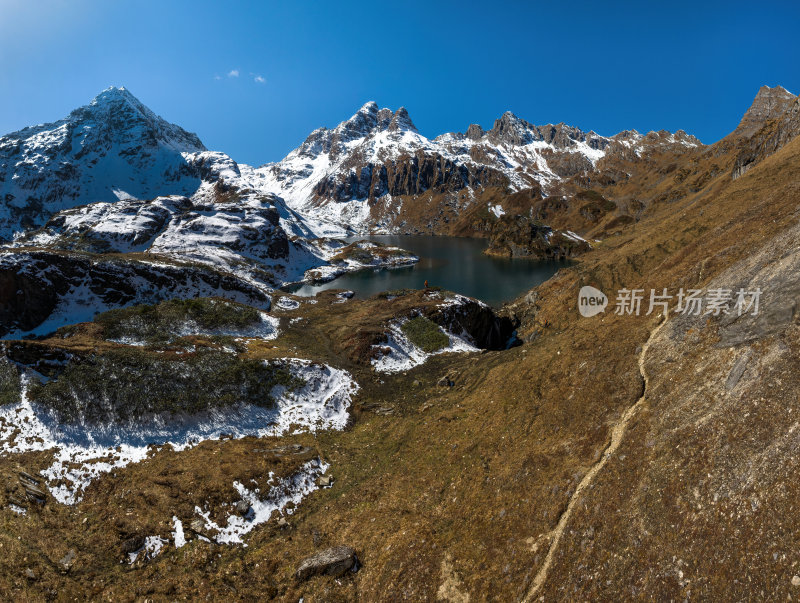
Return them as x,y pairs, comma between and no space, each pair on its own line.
425,334
10,386
125,384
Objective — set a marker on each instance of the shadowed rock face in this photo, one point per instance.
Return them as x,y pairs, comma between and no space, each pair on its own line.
412,175
488,330
25,301
35,284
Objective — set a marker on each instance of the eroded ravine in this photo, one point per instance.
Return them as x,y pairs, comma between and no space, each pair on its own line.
617,433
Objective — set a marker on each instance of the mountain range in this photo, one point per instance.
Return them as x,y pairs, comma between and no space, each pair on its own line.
120,192
358,176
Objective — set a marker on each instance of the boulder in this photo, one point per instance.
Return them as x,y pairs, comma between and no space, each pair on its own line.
67,561
334,561
293,451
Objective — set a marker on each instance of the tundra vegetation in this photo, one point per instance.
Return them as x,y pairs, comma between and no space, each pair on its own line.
123,385
160,323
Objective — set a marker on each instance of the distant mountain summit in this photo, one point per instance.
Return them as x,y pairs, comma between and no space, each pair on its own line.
126,119
113,148
367,122
771,121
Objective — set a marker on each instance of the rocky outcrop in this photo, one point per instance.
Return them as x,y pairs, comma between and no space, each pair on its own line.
519,236
334,562
478,321
24,490
771,122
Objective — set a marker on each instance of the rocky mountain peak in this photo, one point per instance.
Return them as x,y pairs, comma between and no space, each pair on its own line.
121,94
369,107
777,92
511,130
780,110
114,147
366,122
123,118
360,124
401,121
683,136
475,132
769,103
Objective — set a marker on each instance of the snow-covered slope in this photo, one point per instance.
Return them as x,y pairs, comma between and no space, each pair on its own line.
113,148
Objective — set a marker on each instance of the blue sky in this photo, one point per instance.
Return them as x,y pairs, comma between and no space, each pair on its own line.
604,66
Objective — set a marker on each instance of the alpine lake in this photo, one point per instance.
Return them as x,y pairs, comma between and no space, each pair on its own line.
456,264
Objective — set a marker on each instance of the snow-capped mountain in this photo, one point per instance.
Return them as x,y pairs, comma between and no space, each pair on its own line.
114,148
114,195
358,175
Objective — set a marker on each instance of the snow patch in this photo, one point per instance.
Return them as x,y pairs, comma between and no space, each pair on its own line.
17,509
151,548
178,537
399,354
497,210
287,303
281,493
82,453
571,235
266,328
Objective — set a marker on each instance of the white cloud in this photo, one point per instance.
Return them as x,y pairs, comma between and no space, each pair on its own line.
216,77
233,73
259,80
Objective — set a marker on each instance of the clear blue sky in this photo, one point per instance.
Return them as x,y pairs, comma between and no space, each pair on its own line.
606,66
